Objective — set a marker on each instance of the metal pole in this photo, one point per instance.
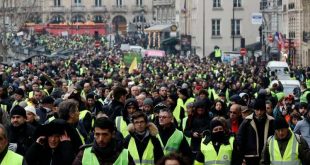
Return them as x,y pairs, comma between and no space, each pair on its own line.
203,29
233,30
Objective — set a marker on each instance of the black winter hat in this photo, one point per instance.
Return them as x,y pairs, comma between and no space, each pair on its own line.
280,123
130,102
19,91
260,104
215,123
18,110
48,100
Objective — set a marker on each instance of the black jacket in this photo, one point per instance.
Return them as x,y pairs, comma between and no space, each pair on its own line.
22,136
114,109
246,139
44,155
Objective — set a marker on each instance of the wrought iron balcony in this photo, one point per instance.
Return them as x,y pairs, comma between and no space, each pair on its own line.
119,9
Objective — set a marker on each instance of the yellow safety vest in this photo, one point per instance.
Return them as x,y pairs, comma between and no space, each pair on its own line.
212,158
184,121
218,53
4,107
280,95
83,94
303,97
30,95
177,111
290,156
90,158
173,143
46,91
12,158
308,83
121,126
148,155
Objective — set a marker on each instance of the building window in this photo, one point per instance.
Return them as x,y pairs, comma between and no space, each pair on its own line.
216,27
57,3
216,3
98,3
119,2
77,2
237,3
235,27
139,2
98,19
291,6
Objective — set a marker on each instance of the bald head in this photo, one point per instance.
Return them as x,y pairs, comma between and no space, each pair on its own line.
235,112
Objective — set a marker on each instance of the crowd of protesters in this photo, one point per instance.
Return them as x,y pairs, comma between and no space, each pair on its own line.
89,109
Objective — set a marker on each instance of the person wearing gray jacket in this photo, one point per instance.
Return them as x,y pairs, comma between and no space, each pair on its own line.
302,127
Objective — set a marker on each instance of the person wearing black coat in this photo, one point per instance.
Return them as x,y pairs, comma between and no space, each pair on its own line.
52,147
20,133
117,105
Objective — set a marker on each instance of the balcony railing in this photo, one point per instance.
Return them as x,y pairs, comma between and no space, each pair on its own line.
162,2
102,8
119,9
78,8
136,8
57,9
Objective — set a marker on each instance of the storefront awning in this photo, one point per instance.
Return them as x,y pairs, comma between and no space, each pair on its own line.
159,28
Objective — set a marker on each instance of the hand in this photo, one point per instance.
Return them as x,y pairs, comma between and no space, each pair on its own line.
41,140
243,162
65,137
196,134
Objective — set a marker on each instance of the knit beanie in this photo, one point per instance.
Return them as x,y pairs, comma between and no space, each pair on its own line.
18,110
148,101
260,104
280,123
215,123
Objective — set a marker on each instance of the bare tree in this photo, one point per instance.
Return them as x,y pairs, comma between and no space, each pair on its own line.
14,14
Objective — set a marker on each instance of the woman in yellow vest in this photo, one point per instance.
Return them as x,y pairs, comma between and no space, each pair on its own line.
219,149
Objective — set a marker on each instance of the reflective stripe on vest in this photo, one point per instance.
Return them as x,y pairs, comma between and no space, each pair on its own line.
212,158
81,136
290,156
4,107
10,156
173,143
121,126
148,155
83,94
90,158
83,114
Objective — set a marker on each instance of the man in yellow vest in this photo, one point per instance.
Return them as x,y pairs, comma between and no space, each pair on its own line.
219,149
171,139
285,147
142,142
8,157
105,149
217,54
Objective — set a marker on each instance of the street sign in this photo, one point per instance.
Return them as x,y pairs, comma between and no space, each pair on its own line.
243,51
257,18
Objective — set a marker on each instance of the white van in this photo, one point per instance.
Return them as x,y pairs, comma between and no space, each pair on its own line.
280,67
